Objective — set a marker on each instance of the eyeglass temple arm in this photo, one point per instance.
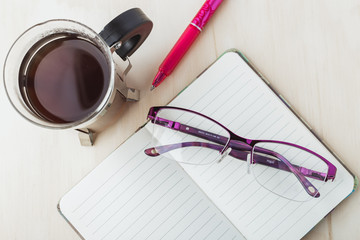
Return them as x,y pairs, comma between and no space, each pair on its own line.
237,153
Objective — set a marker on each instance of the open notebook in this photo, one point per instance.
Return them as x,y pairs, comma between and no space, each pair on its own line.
133,196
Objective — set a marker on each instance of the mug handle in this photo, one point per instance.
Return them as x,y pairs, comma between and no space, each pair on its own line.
127,32
124,35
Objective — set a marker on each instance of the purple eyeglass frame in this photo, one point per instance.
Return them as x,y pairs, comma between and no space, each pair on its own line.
240,148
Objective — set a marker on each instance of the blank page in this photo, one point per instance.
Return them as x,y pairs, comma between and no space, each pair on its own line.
132,196
231,93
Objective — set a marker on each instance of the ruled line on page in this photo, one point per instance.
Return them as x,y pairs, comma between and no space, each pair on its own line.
230,84
220,179
189,120
117,184
247,185
268,207
220,171
260,187
206,237
213,99
226,101
251,116
232,94
153,177
295,209
264,198
162,209
221,118
158,199
202,226
106,181
174,212
266,129
195,219
250,209
251,185
139,176
310,209
227,176
213,177
215,87
143,200
243,110
223,233
234,183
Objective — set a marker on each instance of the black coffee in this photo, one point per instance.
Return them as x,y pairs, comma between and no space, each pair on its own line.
66,80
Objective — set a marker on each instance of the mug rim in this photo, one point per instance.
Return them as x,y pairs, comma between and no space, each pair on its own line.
91,118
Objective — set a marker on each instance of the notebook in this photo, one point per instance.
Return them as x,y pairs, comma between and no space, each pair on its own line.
133,196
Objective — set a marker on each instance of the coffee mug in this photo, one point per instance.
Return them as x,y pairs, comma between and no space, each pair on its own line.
60,74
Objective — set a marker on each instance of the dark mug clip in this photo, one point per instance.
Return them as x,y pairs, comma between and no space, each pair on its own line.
129,30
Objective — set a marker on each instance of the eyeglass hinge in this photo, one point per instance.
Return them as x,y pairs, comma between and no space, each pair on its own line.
176,125
330,177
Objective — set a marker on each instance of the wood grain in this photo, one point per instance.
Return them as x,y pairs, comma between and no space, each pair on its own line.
309,51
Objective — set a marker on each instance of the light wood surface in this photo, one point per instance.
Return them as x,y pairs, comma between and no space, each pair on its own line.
309,51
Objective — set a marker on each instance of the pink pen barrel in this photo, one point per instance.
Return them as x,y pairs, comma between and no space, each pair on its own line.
205,13
176,53
186,40
180,48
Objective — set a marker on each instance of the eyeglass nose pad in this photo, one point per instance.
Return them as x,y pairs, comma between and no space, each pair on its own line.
225,154
248,159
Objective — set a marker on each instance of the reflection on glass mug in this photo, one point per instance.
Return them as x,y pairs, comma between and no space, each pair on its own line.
60,74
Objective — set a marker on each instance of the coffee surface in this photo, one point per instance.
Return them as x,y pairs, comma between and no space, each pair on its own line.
66,80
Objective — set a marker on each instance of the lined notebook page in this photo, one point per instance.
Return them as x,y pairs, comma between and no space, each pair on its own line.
132,196
231,93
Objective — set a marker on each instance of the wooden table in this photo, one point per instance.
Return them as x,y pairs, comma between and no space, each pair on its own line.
309,50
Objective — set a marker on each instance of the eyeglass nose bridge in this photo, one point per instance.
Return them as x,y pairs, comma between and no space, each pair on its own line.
239,145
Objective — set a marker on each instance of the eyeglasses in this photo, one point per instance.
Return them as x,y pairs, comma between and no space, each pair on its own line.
288,170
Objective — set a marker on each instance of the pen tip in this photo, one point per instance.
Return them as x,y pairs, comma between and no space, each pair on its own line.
152,88
160,76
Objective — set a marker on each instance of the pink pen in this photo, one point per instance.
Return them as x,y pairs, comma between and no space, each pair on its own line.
185,41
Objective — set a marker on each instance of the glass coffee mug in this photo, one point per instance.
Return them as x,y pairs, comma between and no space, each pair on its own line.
60,74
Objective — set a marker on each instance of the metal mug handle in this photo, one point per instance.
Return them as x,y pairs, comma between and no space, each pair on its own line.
124,35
